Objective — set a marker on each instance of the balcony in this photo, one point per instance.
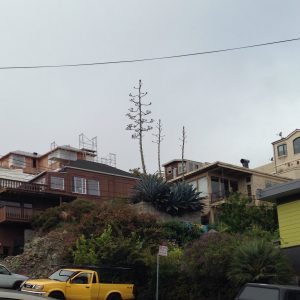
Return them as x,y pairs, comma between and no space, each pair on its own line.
220,197
15,214
8,184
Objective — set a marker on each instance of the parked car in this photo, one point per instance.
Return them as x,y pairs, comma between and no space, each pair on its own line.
10,280
258,291
98,283
15,295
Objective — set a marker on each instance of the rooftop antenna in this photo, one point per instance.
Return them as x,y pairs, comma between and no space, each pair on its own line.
280,134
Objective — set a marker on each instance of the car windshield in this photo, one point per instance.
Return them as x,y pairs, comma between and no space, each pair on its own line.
62,275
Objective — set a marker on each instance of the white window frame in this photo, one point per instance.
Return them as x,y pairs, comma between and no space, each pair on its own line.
76,189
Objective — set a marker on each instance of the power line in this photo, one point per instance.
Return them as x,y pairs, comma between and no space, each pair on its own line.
150,58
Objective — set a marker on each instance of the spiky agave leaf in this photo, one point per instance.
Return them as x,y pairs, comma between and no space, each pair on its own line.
151,188
183,198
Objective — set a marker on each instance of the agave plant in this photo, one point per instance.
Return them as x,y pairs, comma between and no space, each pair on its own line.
151,188
182,198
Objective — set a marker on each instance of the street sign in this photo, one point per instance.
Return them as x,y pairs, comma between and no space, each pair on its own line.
163,251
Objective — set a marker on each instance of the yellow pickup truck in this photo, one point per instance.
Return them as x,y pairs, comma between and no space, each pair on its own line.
86,283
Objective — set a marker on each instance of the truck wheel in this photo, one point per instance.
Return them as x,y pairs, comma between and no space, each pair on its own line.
17,285
114,297
57,295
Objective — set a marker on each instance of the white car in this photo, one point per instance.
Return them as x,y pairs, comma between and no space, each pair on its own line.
10,280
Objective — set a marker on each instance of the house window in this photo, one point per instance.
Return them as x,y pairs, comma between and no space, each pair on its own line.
79,185
181,168
17,161
203,187
57,183
93,187
296,145
34,162
282,150
249,190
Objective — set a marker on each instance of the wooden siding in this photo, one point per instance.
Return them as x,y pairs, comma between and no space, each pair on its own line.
289,223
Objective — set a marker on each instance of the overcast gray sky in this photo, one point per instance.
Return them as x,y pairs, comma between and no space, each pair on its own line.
232,104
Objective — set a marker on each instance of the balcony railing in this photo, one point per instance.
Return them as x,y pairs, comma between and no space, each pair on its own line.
217,197
12,213
20,185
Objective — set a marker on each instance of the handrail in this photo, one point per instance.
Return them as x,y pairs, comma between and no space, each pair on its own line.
15,213
20,185
216,197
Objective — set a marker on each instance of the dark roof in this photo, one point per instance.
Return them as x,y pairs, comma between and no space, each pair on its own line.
278,191
98,167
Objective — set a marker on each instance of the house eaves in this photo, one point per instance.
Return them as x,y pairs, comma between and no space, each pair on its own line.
286,138
219,164
94,171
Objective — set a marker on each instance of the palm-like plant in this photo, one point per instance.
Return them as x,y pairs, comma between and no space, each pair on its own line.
151,188
258,261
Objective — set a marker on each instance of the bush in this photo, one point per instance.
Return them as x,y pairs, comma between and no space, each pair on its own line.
258,261
66,213
181,232
239,215
206,263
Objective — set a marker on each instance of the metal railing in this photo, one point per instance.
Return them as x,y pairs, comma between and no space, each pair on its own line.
20,185
220,196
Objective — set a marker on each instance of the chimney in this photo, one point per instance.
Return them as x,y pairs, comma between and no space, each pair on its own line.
245,162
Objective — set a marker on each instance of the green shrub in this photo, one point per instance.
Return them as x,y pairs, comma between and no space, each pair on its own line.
206,263
258,261
239,215
60,215
181,232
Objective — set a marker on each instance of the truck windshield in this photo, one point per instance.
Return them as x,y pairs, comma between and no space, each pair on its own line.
259,293
62,275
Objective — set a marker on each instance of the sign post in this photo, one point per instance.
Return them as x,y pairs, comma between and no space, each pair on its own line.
162,251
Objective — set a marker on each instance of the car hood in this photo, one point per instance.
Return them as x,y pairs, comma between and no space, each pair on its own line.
18,276
41,281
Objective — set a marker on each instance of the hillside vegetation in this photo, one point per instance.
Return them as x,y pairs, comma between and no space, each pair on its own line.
198,266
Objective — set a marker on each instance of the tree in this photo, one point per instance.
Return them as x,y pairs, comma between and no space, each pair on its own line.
136,172
258,261
183,140
159,139
138,116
